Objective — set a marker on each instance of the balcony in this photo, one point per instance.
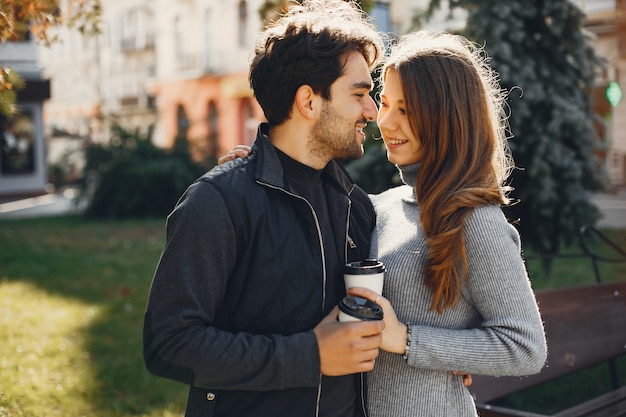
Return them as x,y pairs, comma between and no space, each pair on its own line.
137,43
186,62
597,6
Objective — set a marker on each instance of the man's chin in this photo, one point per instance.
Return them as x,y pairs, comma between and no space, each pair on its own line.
352,156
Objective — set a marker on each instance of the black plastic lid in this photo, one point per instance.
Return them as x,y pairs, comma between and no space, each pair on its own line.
368,266
361,308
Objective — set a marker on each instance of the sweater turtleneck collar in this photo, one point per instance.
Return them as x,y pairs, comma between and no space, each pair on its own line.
408,174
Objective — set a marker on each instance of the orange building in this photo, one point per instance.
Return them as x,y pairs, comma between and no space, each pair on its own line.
215,112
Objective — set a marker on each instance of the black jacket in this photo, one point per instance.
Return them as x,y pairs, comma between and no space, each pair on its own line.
240,286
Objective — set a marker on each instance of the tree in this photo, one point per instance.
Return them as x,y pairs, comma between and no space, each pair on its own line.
271,9
548,66
130,177
18,18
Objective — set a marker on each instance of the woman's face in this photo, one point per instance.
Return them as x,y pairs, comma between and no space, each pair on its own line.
403,146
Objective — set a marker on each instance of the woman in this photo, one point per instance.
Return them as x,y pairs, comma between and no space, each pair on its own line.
457,295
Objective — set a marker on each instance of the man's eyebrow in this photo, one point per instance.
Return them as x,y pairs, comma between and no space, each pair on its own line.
362,85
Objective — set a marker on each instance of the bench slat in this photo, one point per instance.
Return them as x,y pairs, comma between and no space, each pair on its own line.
584,326
612,404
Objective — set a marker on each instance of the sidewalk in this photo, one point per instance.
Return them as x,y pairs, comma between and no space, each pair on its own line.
613,207
52,204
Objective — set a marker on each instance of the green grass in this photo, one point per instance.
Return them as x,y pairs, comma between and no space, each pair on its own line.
72,296
574,268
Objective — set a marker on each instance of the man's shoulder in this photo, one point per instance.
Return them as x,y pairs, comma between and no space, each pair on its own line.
361,195
239,170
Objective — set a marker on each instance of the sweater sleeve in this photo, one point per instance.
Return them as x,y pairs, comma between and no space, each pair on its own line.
180,341
509,339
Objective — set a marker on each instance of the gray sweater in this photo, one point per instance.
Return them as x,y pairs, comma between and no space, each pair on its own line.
494,330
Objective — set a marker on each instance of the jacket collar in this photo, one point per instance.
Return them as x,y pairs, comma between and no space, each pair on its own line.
269,169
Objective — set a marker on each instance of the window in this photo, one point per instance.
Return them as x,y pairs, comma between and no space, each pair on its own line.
248,122
209,33
17,144
243,22
179,33
182,122
212,117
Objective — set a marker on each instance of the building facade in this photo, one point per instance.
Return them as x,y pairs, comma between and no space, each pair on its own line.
606,20
202,65
180,68
23,167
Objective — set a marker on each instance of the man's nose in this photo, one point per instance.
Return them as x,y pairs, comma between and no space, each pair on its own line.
370,112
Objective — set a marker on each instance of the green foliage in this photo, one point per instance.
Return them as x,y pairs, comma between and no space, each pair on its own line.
18,17
547,65
132,178
10,83
271,9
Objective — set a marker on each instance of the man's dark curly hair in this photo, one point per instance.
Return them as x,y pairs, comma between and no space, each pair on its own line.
308,46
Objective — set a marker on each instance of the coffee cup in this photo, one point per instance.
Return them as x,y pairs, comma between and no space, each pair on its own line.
369,273
359,309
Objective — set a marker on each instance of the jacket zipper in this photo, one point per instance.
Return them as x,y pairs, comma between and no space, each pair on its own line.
348,242
319,236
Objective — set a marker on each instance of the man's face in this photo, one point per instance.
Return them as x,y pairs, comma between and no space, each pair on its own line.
338,133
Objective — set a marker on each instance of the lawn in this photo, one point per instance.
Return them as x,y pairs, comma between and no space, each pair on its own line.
72,296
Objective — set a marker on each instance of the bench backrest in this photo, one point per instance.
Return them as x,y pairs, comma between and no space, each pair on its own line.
584,326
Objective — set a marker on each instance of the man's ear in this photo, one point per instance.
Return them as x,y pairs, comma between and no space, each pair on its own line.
306,102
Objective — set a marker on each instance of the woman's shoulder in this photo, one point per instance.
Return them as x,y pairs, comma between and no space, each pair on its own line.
392,195
489,221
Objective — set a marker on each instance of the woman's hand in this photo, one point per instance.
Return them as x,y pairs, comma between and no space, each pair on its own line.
396,333
239,151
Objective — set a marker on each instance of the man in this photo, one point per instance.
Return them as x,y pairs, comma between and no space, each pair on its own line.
243,302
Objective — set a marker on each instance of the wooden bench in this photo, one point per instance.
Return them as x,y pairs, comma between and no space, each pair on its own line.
585,326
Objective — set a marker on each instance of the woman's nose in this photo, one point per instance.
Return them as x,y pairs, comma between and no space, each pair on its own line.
385,120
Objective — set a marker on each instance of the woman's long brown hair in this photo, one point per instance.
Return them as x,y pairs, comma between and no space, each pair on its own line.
455,109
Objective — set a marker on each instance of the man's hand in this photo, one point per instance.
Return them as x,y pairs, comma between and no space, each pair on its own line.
467,378
347,348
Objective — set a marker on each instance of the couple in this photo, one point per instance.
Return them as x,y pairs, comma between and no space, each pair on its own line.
242,306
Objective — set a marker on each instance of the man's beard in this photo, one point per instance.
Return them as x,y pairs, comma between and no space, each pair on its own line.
333,137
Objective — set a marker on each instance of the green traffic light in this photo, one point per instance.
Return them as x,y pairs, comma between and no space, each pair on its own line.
613,93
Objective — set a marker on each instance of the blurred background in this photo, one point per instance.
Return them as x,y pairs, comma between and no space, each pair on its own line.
91,78
109,109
